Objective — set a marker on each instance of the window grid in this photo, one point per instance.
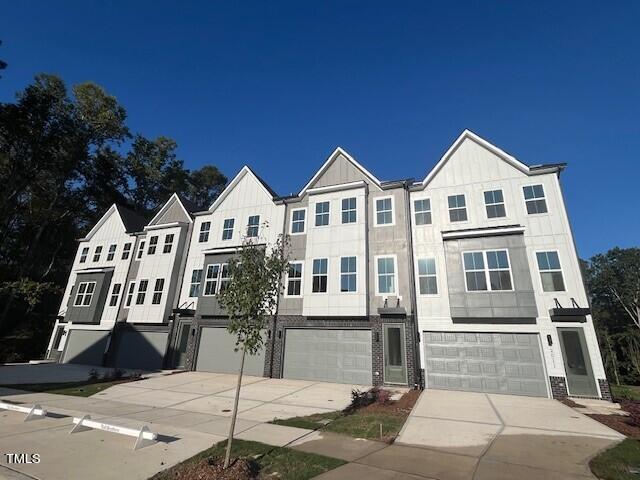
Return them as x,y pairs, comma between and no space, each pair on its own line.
457,208
97,253
550,271
157,291
84,254
349,210
140,250
386,275
225,277
205,228
112,252
168,243
84,295
115,293
153,244
297,221
427,276
142,291
535,199
494,204
322,214
196,279
488,270
319,275
132,289
384,211
294,279
227,228
348,274
126,251
253,225
422,210
211,279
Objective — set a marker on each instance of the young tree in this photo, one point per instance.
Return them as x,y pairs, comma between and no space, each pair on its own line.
250,300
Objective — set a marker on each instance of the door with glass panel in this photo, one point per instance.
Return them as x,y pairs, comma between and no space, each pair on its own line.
181,345
577,365
395,366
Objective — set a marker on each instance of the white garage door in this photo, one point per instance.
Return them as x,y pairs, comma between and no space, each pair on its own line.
86,347
216,354
508,363
341,356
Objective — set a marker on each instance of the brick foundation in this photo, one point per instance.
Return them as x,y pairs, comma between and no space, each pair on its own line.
558,387
605,389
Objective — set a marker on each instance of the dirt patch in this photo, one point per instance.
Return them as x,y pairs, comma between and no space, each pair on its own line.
570,403
402,406
211,468
627,425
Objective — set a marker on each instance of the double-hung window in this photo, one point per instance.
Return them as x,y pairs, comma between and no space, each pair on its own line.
457,208
153,244
322,214
298,220
427,276
534,199
205,227
386,275
494,203
384,211
349,214
253,225
487,270
126,251
142,291
227,228
550,271
84,254
168,243
294,279
140,250
111,253
97,253
225,277
115,293
196,279
422,211
211,279
132,289
319,277
84,295
348,274
157,292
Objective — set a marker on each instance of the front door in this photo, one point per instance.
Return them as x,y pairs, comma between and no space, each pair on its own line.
395,367
181,345
576,362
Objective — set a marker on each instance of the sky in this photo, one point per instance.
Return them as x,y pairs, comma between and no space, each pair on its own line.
278,85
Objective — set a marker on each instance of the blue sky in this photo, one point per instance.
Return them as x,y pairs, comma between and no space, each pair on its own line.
278,85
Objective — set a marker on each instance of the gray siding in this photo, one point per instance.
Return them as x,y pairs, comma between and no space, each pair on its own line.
175,213
208,305
93,312
339,171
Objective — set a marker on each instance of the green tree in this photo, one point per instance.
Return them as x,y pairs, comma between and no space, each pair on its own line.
250,300
205,185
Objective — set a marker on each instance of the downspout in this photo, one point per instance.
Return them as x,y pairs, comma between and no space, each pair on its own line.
414,303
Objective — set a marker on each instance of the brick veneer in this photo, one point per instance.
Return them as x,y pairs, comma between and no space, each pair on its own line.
558,387
605,389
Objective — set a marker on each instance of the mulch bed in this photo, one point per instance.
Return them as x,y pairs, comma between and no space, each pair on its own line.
627,425
211,468
402,406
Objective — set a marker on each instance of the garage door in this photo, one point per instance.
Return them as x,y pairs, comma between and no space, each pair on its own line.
216,354
140,350
485,362
342,356
85,347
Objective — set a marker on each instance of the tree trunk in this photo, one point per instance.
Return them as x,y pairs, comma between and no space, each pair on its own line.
612,354
227,457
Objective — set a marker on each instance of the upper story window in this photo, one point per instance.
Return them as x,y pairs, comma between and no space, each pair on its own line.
294,279
349,212
153,244
457,208
487,270
319,277
196,279
168,243
115,293
225,277
140,250
205,227
386,275
422,211
227,228
550,271
384,211
322,214
142,291
427,277
348,274
298,220
84,254
494,203
132,289
534,199
253,225
126,251
84,295
211,279
111,253
97,253
157,291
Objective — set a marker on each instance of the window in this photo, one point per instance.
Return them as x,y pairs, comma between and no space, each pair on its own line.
457,208
83,254
126,251
132,288
112,252
386,275
157,292
196,279
297,220
97,253
487,271
153,243
140,250
225,278
384,211
550,271
348,275
204,232
427,277
294,279
349,210
534,199
494,203
115,293
168,243
227,228
422,210
142,291
253,225
84,294
211,279
319,284
322,214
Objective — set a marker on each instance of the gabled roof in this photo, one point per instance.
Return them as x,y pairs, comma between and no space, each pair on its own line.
172,199
131,221
245,170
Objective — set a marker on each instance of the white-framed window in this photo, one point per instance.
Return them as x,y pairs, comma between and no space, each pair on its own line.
97,253
157,291
205,228
348,274
140,250
422,211
115,294
550,271
153,244
384,211
227,228
386,275
168,243
319,275
142,291
211,279
84,254
126,251
494,204
225,277
322,214
253,226
488,270
294,279
457,208
298,217
349,210
427,276
111,253
534,199
196,280
130,292
84,295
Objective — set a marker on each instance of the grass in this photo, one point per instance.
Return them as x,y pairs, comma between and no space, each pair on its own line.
77,389
613,464
627,392
282,463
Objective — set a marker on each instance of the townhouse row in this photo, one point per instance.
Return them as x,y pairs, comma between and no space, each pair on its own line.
466,280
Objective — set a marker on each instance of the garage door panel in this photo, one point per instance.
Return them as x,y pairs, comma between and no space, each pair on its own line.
216,353
85,347
142,350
